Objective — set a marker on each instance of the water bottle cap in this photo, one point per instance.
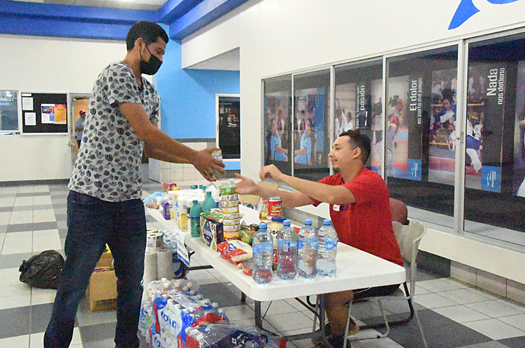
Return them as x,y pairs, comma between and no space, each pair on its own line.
307,221
287,223
327,222
262,225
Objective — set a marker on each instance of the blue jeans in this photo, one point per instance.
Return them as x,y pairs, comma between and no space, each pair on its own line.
91,224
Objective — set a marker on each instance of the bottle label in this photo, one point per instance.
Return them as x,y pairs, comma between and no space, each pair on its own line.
266,246
300,244
284,245
313,242
330,243
255,249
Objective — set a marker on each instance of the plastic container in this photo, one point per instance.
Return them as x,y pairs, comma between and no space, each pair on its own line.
262,244
195,219
209,202
307,250
286,252
327,250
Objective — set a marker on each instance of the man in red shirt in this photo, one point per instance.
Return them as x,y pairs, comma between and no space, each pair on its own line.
359,208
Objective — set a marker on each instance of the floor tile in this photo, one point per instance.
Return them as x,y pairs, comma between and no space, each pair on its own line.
16,341
468,295
13,260
86,317
494,329
19,300
7,201
461,314
9,276
17,243
239,312
441,284
4,218
21,217
15,322
47,215
42,296
40,315
492,344
46,240
42,200
289,321
434,301
15,289
494,309
23,201
515,342
518,321
32,226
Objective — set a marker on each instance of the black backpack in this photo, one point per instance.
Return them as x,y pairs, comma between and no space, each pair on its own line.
42,270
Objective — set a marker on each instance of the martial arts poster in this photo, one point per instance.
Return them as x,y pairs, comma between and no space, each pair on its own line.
376,112
309,127
396,135
484,126
441,128
345,106
519,134
276,121
414,122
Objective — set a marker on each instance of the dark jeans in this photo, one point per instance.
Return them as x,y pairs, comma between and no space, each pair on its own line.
91,224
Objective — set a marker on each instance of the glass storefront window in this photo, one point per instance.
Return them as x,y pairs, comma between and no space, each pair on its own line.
420,113
277,121
311,125
8,111
495,128
358,105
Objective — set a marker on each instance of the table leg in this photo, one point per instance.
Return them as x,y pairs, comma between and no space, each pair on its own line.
258,314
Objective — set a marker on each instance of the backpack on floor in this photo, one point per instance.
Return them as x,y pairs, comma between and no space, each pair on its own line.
42,270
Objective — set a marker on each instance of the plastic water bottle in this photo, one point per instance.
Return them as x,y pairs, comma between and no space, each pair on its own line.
327,250
262,244
286,252
307,250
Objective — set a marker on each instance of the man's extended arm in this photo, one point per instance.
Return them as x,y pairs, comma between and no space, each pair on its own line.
322,192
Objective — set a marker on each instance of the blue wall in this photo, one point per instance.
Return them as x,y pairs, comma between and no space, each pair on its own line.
188,96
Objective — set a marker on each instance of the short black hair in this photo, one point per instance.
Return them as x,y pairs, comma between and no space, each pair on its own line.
148,31
359,140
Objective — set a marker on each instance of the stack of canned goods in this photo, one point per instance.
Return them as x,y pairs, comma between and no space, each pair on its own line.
231,222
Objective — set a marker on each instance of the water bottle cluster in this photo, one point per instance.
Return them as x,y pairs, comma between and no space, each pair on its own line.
306,254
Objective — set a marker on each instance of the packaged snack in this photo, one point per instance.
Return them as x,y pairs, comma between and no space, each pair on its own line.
235,251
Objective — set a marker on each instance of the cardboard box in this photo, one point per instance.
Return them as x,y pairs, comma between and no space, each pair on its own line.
102,288
211,233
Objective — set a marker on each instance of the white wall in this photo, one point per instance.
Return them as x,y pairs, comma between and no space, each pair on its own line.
47,65
277,37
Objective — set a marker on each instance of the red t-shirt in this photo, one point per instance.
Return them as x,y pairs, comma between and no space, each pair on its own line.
367,223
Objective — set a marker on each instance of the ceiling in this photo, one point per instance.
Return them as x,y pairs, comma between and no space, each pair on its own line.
147,5
185,8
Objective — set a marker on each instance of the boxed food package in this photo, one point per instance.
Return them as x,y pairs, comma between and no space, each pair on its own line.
211,232
102,288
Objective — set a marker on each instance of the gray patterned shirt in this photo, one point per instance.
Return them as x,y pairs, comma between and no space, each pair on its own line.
108,163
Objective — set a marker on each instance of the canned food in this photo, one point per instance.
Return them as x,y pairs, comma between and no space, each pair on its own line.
229,204
231,228
275,206
247,267
230,198
231,222
231,216
217,154
227,189
231,235
230,210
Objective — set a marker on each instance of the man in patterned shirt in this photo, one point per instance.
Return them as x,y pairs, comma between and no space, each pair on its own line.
104,204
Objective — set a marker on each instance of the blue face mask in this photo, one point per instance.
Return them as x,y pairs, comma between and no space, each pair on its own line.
151,67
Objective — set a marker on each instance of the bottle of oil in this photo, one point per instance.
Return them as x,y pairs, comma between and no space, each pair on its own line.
263,213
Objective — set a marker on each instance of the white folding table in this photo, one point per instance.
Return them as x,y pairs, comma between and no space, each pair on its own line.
356,269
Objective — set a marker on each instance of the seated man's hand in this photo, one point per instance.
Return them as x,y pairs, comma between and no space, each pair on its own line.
246,186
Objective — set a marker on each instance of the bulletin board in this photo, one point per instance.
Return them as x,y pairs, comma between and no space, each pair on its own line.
44,113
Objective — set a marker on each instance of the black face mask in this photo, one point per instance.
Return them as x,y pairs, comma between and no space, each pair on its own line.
151,67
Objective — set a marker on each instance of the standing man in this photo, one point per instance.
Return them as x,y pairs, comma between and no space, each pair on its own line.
79,126
359,208
104,203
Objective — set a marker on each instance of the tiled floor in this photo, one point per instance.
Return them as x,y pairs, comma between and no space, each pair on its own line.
32,219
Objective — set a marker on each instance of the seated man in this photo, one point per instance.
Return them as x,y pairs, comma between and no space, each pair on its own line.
359,208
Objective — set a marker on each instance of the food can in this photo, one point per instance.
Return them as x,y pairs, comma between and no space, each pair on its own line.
247,267
217,154
275,206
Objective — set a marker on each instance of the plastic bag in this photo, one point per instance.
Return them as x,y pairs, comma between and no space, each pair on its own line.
232,335
42,270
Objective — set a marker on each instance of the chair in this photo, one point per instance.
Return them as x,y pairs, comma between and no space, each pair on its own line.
408,239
